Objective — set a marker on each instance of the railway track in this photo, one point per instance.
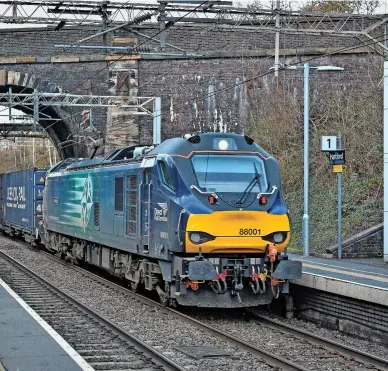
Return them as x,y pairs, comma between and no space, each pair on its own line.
329,344
99,341
271,358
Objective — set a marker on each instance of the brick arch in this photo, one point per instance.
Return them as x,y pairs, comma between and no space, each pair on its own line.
58,132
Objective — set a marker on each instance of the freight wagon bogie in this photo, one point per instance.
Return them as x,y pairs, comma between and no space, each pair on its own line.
200,220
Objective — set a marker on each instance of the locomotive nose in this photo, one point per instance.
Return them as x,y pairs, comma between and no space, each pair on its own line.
236,231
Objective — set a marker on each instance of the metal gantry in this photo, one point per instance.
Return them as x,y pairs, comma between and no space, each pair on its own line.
35,103
137,104
114,13
109,16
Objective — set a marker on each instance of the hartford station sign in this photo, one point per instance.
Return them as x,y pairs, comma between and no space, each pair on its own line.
330,145
337,157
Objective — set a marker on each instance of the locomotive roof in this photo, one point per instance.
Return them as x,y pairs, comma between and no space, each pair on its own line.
175,146
205,142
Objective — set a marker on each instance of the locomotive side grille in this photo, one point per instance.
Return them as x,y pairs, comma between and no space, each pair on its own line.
131,228
131,182
131,213
97,214
130,205
131,198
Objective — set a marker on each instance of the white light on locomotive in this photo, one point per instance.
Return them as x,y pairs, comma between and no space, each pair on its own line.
223,144
278,237
195,237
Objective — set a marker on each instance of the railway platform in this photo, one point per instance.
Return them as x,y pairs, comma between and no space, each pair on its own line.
28,343
362,279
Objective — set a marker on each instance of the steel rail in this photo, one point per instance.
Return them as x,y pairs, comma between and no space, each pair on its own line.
268,357
271,359
167,364
345,350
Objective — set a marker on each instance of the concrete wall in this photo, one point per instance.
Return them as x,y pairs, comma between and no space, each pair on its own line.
357,318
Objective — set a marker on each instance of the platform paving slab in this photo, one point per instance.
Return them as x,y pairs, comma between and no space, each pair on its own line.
359,280
25,345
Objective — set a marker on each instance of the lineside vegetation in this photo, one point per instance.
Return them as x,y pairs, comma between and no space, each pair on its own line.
356,109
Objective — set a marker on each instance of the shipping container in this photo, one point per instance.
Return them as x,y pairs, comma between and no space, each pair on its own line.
21,202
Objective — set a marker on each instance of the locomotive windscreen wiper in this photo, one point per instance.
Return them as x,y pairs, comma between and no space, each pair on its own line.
250,186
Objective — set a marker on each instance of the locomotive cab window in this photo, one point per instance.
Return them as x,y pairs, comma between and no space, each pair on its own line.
165,174
119,195
229,173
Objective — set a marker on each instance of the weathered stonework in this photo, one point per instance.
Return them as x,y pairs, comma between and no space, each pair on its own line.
367,244
27,83
205,93
122,127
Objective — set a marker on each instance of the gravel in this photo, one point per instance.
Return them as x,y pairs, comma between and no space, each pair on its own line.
369,346
163,330
151,324
294,348
85,334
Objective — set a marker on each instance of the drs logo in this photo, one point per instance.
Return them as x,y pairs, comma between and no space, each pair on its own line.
249,232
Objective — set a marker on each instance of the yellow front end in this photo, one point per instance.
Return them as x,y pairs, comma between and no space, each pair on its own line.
236,231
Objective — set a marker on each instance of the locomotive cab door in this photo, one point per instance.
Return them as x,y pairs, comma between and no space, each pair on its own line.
145,211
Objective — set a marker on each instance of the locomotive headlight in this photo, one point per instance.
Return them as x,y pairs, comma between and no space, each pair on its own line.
195,237
223,144
278,237
200,237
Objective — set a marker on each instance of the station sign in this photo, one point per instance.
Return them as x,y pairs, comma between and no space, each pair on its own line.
337,168
328,143
337,157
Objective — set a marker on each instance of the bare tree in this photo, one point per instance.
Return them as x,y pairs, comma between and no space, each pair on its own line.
342,6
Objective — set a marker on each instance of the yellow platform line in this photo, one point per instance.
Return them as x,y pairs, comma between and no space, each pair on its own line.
355,274
346,268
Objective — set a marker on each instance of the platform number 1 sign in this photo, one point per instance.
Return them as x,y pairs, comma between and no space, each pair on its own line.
328,143
336,155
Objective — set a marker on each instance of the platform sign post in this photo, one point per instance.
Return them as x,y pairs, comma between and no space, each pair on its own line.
339,176
333,146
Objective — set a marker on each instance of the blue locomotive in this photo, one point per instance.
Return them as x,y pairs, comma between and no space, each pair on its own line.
200,220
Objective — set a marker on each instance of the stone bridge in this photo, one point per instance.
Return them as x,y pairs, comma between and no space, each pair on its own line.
201,90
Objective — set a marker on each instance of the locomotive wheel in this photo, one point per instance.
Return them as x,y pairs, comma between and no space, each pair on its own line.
134,286
138,286
173,303
164,299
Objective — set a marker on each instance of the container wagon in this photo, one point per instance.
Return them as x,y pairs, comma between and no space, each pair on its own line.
21,198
